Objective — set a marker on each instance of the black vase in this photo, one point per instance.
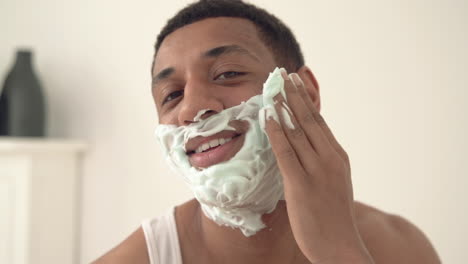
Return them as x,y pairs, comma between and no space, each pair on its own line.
22,106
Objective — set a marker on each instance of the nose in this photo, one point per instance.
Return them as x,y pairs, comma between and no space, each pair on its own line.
198,96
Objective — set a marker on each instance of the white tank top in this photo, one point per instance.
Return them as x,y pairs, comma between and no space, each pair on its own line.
162,240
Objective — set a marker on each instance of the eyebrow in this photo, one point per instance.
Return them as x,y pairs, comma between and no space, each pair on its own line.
163,75
223,50
212,53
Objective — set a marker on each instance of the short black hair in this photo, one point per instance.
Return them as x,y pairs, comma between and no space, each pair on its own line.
273,32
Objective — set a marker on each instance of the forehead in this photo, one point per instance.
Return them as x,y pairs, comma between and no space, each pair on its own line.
190,41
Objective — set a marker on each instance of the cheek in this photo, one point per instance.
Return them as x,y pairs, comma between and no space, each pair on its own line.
237,96
167,118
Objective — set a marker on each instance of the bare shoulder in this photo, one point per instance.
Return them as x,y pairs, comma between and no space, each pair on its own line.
393,239
131,251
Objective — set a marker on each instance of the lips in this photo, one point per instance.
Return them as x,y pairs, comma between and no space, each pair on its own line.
207,151
212,144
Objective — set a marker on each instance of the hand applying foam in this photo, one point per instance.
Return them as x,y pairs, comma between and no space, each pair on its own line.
316,178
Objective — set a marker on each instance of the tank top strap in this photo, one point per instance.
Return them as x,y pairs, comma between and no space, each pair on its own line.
162,240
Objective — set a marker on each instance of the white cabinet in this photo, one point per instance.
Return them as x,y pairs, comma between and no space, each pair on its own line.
39,205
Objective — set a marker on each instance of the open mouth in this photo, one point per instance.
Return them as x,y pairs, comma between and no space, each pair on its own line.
204,152
212,144
215,149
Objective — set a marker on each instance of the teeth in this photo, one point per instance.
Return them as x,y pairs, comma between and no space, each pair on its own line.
205,146
213,143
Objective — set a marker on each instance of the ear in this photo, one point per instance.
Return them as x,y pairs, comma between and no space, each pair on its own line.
311,85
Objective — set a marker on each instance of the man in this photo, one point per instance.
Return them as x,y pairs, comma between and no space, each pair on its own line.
211,57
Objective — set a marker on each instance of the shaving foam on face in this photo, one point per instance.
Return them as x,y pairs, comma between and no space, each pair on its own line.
199,115
239,191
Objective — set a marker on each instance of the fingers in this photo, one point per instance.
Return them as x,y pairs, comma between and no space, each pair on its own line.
306,117
295,136
288,161
324,128
317,116
302,130
303,143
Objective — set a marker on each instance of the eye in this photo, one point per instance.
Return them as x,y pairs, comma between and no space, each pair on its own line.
229,74
173,96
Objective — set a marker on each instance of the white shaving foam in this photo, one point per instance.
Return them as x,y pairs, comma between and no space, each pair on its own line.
239,191
199,114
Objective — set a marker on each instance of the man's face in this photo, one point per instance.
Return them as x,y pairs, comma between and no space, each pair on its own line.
212,64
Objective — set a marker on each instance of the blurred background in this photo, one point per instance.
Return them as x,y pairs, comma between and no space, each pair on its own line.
393,78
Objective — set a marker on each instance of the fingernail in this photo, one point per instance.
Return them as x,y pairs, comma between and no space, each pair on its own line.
284,73
296,79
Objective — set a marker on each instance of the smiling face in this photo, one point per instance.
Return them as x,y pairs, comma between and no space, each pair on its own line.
213,64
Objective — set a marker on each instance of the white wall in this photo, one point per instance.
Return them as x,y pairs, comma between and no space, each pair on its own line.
393,81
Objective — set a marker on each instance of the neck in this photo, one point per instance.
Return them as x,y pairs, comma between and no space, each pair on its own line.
273,244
